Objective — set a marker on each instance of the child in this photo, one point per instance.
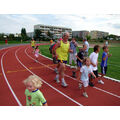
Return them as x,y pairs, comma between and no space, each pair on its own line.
33,44
34,96
84,76
80,56
94,64
72,57
37,52
105,56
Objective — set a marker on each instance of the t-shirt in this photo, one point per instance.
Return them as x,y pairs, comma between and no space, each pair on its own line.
33,43
104,62
81,55
37,51
94,59
73,46
63,50
34,98
87,44
53,46
106,43
85,70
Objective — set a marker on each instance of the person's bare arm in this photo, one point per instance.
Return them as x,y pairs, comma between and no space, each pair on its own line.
93,74
79,59
57,46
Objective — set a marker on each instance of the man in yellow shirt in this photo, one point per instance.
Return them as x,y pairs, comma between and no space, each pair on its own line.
62,49
33,44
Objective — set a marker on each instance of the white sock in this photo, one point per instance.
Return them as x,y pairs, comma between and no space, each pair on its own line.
57,76
63,80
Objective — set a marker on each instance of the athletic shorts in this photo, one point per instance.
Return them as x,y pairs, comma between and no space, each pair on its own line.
62,61
36,55
79,64
103,70
33,47
96,74
85,83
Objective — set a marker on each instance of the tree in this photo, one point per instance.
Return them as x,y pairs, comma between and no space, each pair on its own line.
11,37
1,36
23,34
37,34
88,37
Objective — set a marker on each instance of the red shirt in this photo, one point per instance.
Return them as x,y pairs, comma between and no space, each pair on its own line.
54,47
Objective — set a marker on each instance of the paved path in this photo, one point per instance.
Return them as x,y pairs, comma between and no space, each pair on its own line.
10,45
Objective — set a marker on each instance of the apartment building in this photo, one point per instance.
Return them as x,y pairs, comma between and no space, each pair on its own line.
30,34
95,34
56,30
80,34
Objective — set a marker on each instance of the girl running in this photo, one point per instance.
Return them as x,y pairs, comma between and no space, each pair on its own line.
84,76
37,52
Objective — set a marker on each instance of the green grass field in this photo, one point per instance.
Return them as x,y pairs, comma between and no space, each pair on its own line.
113,61
19,42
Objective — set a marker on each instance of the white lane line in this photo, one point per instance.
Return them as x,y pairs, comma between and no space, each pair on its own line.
47,83
107,92
74,78
7,80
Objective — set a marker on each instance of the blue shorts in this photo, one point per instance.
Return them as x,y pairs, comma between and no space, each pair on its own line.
79,64
62,61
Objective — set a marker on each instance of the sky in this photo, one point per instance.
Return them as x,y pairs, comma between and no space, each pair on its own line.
13,23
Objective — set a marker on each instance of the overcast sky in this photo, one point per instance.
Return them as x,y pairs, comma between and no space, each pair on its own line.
12,23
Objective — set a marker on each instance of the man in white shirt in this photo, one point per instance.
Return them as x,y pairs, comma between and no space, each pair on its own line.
94,63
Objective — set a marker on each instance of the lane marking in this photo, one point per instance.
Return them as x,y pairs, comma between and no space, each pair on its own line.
22,70
14,95
46,82
74,78
106,92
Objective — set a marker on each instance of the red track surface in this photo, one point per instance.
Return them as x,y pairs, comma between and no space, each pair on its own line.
15,60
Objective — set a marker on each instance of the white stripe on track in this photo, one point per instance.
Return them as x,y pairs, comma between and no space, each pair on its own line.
47,83
107,92
8,82
112,94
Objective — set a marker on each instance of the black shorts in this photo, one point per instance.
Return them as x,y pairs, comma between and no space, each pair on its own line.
33,47
96,74
63,61
103,70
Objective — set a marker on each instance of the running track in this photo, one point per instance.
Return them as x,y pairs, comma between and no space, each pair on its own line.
17,63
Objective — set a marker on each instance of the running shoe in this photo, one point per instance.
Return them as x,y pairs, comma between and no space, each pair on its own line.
64,84
100,81
91,84
57,80
85,95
